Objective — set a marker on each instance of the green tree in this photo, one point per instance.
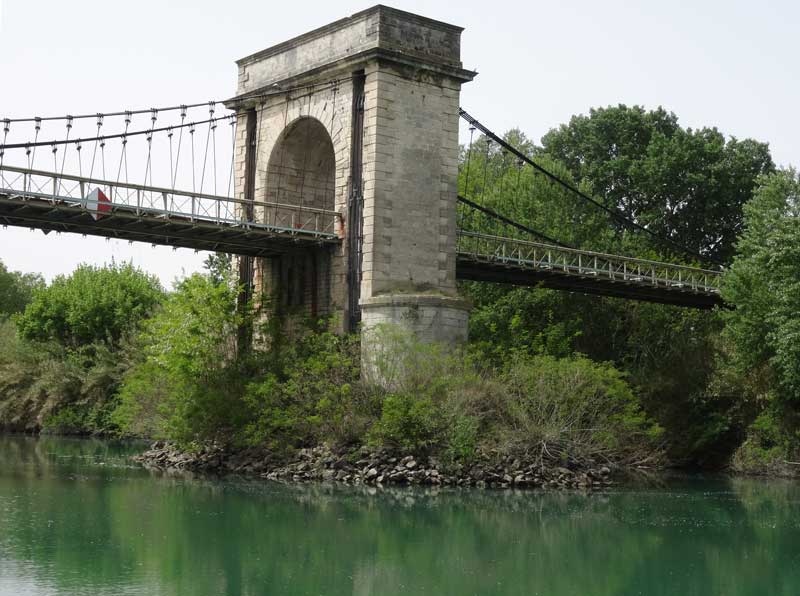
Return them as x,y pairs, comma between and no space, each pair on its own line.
190,380
495,179
659,174
16,290
763,330
764,285
92,304
684,184
219,266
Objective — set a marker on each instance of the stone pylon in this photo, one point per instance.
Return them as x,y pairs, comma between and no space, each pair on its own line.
360,117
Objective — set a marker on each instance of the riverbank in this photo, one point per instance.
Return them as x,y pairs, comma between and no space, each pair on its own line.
367,466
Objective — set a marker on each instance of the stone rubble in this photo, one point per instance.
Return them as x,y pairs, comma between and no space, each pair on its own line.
377,468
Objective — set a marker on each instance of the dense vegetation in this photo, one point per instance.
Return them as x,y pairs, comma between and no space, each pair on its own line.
61,360
763,333
547,374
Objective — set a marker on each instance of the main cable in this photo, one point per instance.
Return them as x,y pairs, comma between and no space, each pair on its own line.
612,212
246,97
116,136
510,222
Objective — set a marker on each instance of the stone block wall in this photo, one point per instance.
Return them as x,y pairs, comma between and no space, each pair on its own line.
409,164
325,184
410,181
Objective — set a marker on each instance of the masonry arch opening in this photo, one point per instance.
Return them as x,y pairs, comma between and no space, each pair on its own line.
300,194
302,167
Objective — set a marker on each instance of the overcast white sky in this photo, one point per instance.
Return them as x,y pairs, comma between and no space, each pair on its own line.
730,64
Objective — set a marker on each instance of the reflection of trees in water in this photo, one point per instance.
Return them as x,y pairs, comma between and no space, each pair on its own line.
180,535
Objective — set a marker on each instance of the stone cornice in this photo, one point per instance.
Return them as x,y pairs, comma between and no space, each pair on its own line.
348,64
341,24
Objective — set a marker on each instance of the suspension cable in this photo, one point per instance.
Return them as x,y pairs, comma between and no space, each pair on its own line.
214,153
469,156
233,155
38,127
66,146
96,143
180,141
109,137
557,180
249,97
123,157
191,135
510,222
205,153
6,128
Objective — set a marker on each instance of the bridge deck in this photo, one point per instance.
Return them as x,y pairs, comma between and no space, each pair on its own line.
482,257
52,202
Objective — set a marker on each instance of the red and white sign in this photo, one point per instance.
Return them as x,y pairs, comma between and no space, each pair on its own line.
98,203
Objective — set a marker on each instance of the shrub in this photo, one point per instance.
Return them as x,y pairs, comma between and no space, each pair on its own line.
315,396
92,304
190,368
573,406
408,423
772,443
141,410
16,290
44,386
462,438
453,404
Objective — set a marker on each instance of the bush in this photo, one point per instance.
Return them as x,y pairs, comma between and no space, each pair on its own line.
43,386
408,423
188,385
572,407
772,444
141,410
451,404
16,290
92,304
314,396
61,366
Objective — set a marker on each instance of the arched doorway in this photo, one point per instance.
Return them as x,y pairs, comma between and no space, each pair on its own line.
302,167
300,182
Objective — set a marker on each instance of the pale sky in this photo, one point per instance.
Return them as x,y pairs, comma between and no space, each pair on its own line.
729,64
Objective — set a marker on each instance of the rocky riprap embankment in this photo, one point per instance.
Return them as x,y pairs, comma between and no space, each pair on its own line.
373,467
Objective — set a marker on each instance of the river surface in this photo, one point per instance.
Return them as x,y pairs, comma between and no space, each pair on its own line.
77,518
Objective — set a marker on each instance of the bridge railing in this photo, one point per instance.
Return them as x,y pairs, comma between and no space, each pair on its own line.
166,203
591,265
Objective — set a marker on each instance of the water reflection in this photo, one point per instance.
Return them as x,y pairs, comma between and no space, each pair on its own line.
77,518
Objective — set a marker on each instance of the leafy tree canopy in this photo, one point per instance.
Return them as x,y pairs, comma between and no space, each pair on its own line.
764,284
91,304
219,266
16,290
684,184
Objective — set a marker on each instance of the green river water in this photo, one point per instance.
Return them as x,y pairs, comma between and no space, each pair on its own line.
77,518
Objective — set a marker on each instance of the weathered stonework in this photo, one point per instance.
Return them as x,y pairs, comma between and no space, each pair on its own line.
430,318
411,74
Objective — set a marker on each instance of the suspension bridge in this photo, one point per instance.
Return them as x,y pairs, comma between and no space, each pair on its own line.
286,168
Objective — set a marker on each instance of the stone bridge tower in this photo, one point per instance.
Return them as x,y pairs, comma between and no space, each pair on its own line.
360,117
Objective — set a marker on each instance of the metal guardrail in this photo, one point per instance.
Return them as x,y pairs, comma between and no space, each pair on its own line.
278,218
591,265
64,189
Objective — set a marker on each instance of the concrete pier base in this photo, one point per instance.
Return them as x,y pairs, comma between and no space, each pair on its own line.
393,326
431,319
